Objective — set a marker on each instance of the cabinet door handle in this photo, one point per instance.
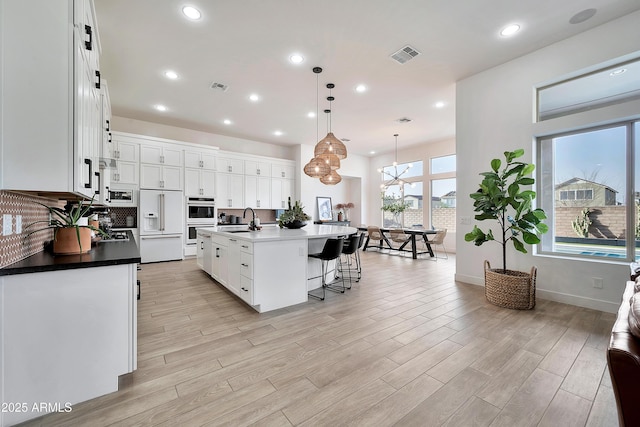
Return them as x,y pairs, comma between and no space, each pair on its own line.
90,163
230,168
108,129
244,265
282,173
98,82
109,135
99,183
257,203
201,163
108,195
245,246
230,204
88,45
202,245
258,171
161,159
246,290
217,252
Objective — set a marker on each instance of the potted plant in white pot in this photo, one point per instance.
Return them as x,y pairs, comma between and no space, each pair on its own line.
72,231
501,199
293,216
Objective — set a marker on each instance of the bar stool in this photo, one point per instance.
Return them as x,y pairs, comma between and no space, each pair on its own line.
331,251
350,250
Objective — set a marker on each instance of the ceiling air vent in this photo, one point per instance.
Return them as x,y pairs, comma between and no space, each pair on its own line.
405,54
219,86
403,120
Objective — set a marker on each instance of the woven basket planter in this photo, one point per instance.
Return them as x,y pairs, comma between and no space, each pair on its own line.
511,289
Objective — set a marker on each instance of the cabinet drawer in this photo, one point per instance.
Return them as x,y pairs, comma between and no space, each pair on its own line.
246,247
246,289
220,240
246,265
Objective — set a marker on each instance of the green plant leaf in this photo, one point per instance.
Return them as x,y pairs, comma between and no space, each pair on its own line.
518,245
495,164
530,238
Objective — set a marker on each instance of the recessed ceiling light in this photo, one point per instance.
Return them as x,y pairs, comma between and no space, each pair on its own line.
191,12
277,133
160,107
171,74
361,88
226,121
296,58
510,30
617,72
311,114
253,97
439,104
372,152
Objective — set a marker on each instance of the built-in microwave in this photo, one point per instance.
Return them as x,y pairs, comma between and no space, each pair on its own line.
201,210
123,196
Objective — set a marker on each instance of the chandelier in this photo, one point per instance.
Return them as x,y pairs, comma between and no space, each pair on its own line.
395,178
329,150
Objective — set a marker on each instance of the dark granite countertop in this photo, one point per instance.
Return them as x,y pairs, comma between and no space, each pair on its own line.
102,254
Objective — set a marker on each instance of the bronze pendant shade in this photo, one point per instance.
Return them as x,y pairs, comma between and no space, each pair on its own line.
331,179
317,168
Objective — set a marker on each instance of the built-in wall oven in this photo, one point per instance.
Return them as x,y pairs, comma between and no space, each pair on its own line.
201,212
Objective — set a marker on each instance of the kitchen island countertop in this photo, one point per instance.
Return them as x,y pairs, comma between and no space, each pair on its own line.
102,254
270,234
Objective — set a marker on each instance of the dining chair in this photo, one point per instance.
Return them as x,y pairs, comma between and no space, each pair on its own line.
438,240
399,237
374,233
331,250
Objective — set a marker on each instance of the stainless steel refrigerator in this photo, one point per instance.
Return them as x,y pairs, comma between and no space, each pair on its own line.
161,225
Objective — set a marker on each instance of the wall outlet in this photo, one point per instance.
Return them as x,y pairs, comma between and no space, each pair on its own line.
7,225
18,224
597,282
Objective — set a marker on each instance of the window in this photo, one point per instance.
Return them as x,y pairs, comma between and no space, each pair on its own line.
443,192
582,185
402,193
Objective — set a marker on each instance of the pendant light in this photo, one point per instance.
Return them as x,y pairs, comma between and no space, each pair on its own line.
394,178
317,167
327,155
330,143
332,179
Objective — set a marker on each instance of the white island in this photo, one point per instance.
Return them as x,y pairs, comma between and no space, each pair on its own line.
268,269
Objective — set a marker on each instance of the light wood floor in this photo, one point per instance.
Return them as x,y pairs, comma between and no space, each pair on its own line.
406,346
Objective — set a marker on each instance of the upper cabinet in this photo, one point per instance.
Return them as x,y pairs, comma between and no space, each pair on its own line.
283,170
161,154
199,159
230,164
257,168
51,130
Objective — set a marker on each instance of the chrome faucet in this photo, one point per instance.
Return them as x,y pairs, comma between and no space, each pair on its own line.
252,224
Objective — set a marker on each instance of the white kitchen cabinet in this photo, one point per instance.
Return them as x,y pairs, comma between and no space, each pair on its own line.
230,165
257,168
281,190
62,109
67,336
125,150
257,192
199,182
246,272
106,146
204,252
125,173
219,259
160,177
198,159
229,190
233,266
283,170
161,154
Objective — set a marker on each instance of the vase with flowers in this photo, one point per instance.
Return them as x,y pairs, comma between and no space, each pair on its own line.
343,210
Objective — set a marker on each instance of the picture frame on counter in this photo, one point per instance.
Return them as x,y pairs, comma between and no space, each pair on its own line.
325,209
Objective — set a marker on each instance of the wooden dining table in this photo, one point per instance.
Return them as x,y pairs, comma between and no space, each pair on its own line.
413,233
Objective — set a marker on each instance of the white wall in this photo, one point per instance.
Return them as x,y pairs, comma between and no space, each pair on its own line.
354,171
423,152
228,143
495,111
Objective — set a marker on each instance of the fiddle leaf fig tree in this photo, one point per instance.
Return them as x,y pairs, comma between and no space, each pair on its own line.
501,199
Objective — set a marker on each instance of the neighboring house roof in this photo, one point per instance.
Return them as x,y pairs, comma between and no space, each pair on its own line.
414,196
580,180
450,194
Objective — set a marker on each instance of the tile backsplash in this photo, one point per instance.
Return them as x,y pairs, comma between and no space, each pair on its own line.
121,214
17,247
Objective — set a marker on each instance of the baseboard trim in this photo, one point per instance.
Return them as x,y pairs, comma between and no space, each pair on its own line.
595,304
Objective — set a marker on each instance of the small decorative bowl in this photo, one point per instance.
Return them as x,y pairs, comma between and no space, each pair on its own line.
295,224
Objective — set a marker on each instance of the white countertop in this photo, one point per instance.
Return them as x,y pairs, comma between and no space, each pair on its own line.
267,234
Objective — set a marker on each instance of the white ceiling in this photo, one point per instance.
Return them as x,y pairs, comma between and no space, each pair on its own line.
245,44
